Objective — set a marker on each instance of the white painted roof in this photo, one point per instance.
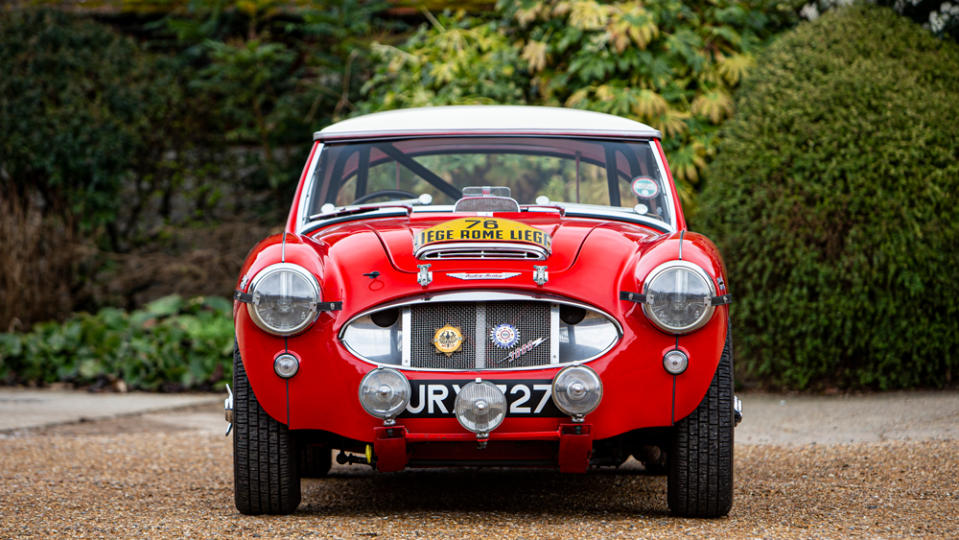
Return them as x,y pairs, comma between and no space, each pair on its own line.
485,120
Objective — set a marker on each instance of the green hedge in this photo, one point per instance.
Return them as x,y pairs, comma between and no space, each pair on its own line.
834,200
171,344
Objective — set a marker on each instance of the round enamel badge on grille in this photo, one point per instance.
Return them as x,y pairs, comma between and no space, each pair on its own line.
448,339
504,336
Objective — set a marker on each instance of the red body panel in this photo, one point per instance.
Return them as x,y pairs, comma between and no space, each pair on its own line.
637,391
592,260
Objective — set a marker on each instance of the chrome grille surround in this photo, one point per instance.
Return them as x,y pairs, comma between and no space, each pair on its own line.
475,313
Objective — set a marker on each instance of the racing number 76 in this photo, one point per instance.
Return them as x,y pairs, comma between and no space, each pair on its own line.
487,223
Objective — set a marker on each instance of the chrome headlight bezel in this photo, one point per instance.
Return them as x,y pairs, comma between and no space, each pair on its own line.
300,272
694,270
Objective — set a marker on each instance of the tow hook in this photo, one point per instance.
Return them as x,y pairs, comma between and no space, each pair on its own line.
737,410
228,410
343,458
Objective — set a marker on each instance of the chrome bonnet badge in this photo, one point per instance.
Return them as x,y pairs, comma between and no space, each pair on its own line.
482,275
540,275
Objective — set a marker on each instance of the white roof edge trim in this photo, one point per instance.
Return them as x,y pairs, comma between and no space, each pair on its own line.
484,120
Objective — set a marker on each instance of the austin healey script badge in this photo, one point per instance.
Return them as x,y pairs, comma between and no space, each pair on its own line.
448,339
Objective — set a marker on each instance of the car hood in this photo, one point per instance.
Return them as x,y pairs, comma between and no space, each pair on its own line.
397,237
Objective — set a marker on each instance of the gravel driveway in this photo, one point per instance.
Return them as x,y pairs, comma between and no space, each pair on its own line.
873,466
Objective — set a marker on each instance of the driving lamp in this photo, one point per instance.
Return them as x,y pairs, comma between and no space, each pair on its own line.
577,391
384,393
480,407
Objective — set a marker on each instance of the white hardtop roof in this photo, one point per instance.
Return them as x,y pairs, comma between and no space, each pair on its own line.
485,120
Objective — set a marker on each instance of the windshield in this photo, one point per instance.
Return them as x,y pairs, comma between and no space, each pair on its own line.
615,173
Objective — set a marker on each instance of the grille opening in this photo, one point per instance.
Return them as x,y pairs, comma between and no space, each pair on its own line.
571,314
489,330
480,349
385,318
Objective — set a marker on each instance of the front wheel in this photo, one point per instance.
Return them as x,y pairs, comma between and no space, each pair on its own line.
700,480
266,478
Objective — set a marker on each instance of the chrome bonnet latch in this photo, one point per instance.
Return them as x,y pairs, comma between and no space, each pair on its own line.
424,277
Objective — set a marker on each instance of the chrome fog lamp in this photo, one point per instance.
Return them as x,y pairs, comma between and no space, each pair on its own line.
384,393
286,365
679,297
577,391
675,362
284,299
480,407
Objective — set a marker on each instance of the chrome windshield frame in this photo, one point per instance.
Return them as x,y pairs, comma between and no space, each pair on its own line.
304,225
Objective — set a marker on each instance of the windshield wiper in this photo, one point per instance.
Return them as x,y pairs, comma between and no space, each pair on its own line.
328,210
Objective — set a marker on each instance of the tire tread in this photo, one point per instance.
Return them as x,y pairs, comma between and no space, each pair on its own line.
700,482
266,480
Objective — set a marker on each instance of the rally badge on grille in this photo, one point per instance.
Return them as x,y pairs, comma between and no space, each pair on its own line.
504,335
448,339
523,349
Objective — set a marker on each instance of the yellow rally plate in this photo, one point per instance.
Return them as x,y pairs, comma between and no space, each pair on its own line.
482,230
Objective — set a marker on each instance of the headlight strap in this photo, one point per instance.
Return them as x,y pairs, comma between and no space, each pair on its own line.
720,300
247,298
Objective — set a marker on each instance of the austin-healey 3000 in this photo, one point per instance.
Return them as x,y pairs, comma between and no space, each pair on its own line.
484,286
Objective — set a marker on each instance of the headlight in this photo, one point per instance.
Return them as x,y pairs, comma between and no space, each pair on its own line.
679,297
284,299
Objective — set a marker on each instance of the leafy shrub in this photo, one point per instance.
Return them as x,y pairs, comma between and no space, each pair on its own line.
171,344
833,198
670,64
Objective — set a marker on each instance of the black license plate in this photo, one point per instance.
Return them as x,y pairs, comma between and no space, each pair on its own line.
526,398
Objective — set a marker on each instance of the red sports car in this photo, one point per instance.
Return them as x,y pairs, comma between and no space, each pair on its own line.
484,286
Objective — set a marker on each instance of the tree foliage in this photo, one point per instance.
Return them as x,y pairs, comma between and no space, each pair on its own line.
833,199
670,64
85,113
273,72
127,143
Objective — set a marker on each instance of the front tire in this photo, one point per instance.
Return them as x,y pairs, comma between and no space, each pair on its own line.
266,479
700,480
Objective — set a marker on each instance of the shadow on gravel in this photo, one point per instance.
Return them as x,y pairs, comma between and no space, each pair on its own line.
626,490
